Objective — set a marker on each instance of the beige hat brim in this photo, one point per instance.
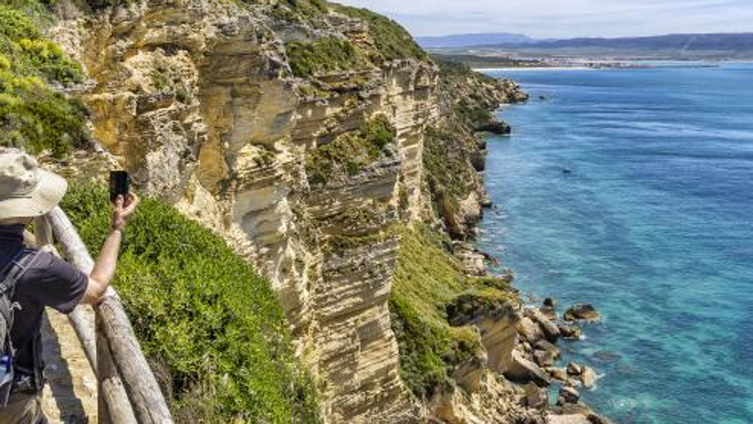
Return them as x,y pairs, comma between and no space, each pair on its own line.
48,194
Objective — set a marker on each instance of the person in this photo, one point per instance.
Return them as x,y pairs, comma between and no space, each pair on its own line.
26,192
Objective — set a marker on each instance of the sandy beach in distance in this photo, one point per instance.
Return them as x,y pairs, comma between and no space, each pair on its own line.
537,68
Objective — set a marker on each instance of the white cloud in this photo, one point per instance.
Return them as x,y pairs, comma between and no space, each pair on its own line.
566,18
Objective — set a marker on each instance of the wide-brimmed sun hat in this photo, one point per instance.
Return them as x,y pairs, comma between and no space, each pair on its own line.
25,189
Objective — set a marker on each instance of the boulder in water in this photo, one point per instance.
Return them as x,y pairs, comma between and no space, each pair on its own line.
522,370
529,330
550,330
557,373
549,313
588,377
545,345
545,358
574,369
570,331
581,312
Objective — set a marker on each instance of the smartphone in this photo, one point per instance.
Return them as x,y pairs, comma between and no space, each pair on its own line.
120,184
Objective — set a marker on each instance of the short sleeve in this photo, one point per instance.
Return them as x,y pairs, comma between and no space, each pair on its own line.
54,282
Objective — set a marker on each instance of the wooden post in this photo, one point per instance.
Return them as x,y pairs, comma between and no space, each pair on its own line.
114,407
84,329
42,232
146,397
143,391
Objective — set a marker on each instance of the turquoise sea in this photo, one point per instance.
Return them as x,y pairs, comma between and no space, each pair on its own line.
653,225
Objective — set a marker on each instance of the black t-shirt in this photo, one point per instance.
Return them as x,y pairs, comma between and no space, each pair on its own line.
49,281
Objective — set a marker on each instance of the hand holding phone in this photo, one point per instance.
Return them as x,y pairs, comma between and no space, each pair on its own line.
120,185
125,206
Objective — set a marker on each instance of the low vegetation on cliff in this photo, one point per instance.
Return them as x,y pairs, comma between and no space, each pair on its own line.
392,41
212,328
429,291
325,55
453,152
351,152
34,115
389,41
473,107
448,172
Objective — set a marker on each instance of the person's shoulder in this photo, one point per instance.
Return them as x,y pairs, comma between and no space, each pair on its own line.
40,257
53,282
46,265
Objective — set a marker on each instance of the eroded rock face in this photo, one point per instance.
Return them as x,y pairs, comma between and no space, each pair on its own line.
196,99
496,401
499,337
567,419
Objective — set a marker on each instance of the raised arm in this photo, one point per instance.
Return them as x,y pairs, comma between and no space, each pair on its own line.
104,267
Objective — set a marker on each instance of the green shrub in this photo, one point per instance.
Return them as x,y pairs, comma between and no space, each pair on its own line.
392,40
38,10
446,164
350,153
307,11
325,55
332,54
459,72
33,115
202,315
428,282
473,113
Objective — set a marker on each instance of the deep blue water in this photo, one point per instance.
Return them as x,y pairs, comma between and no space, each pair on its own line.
654,226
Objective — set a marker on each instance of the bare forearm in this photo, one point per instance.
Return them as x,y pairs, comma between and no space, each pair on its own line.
104,267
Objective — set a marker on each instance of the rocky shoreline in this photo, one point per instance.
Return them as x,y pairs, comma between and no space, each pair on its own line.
536,358
535,364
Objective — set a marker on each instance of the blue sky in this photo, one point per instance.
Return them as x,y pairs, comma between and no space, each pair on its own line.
566,18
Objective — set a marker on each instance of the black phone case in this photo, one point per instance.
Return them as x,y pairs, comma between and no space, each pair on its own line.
119,184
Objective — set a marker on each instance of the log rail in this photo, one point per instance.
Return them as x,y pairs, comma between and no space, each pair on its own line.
128,392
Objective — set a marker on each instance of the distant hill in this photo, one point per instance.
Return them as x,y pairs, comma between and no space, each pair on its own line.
673,46
743,41
470,40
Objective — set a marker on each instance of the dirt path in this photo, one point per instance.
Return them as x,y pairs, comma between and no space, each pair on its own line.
70,395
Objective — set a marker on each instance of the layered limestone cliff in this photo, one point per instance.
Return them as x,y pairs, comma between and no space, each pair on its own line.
297,133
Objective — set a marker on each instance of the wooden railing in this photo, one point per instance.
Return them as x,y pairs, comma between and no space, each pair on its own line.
127,390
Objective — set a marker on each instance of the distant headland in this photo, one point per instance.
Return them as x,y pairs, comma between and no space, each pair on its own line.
520,51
